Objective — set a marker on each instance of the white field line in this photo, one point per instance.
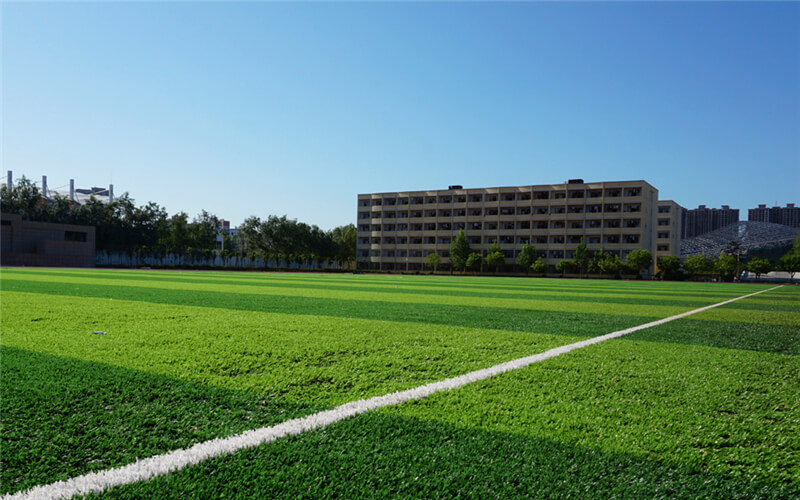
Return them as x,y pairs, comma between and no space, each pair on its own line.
158,465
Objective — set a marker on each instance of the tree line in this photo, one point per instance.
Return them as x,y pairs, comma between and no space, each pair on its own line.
585,261
730,263
121,226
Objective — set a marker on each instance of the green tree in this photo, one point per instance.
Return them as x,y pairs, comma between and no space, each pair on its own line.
433,261
344,240
526,257
539,266
203,231
639,260
696,265
790,263
611,265
759,266
594,261
459,251
176,238
564,266
669,268
726,266
581,258
495,261
22,199
474,261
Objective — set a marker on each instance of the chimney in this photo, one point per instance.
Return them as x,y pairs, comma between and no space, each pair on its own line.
44,186
10,182
72,190
110,193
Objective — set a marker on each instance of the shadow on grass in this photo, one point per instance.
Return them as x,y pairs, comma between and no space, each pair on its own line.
778,339
377,455
63,417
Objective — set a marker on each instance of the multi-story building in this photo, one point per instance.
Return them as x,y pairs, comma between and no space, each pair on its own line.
396,231
669,221
702,220
788,215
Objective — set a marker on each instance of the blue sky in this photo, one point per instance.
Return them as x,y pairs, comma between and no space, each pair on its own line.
274,108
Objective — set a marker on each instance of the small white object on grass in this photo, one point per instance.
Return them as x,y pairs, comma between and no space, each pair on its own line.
98,333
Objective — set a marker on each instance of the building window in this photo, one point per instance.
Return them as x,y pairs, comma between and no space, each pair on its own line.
630,223
74,236
662,248
631,239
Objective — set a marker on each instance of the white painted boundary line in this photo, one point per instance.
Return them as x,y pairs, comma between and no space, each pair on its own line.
158,465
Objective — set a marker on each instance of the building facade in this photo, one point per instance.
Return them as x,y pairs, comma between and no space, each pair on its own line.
28,243
703,220
669,221
788,215
396,231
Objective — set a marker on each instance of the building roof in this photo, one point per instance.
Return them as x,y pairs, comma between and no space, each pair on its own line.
749,235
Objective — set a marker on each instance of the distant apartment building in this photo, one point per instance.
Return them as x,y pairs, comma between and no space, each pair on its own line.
397,230
702,220
788,215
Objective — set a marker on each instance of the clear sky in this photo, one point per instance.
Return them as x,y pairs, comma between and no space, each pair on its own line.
274,108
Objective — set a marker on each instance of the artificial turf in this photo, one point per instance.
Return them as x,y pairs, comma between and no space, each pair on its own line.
233,351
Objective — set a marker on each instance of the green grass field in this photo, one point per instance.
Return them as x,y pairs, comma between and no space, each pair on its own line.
702,406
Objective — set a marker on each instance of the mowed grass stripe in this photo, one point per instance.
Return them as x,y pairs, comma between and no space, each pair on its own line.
156,466
621,295
296,356
209,294
466,286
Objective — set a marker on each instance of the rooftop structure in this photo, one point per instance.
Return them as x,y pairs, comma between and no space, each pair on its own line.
69,191
746,235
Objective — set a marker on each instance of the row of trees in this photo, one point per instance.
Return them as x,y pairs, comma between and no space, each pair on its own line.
463,258
121,226
288,240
